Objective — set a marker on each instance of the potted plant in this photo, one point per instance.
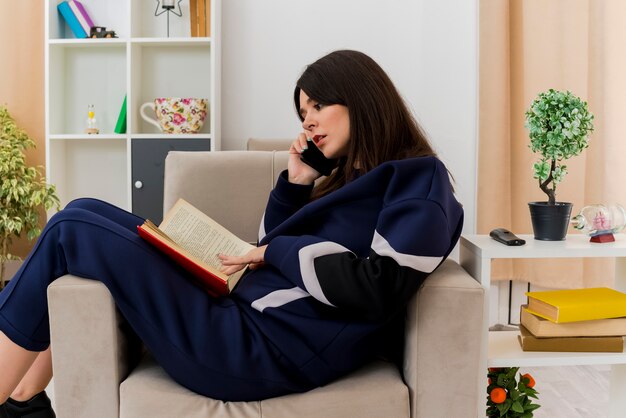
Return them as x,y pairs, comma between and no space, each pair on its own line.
559,125
23,190
508,398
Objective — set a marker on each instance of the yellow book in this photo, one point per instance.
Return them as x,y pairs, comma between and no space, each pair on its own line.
572,305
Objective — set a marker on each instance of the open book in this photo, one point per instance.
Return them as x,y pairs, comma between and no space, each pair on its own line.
193,240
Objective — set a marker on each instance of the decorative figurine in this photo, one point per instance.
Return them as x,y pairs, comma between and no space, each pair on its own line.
101,32
92,123
168,6
600,222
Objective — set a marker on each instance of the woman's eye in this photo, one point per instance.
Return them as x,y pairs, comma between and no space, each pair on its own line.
318,106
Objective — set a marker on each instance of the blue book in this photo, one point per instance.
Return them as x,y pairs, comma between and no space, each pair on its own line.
71,20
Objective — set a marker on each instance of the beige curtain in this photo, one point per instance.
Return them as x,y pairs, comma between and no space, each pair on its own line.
529,46
22,77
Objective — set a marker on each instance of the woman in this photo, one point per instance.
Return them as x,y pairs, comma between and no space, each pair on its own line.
335,266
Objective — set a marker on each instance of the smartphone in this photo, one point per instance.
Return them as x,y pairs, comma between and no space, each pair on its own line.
315,158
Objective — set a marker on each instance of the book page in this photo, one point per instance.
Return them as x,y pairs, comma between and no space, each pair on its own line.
200,235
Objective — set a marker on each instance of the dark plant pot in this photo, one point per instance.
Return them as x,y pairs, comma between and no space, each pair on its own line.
550,221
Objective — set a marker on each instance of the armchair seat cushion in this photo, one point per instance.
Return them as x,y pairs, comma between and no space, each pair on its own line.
149,392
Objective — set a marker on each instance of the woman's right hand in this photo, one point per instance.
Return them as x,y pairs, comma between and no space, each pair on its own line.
299,172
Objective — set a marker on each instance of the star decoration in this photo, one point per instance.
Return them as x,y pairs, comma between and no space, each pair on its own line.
167,8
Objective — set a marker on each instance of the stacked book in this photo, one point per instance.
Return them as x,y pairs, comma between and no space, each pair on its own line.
76,17
199,13
575,320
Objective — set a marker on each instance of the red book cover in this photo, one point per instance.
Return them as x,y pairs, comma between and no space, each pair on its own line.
193,240
214,285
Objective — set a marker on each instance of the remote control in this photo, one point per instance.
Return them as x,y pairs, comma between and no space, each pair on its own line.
506,237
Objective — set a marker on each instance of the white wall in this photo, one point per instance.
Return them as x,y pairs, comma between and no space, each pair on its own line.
428,47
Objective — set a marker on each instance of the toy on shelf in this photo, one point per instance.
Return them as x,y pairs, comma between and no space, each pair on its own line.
92,123
600,222
101,32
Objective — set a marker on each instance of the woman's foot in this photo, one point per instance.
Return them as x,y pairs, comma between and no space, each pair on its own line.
38,406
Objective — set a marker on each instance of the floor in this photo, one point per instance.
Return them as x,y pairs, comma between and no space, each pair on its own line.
571,392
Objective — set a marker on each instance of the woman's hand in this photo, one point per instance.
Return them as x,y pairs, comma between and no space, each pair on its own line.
299,172
253,259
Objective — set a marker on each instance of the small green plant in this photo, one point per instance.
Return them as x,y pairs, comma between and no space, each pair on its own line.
23,189
507,397
559,125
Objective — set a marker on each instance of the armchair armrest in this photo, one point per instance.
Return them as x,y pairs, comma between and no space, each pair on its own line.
443,343
90,348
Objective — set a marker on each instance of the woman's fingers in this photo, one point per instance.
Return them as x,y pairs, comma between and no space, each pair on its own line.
230,260
299,145
228,270
231,269
253,256
299,172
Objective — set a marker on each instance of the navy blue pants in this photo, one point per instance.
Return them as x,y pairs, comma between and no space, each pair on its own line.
206,344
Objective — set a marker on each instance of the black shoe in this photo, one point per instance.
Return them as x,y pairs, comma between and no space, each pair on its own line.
38,406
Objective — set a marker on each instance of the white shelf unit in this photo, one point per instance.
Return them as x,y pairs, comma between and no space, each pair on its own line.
501,348
143,64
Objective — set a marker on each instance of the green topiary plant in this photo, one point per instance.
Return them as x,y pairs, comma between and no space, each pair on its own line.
508,398
23,189
559,125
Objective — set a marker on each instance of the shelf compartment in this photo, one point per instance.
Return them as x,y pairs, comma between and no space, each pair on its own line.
81,168
82,74
146,25
505,351
113,14
148,164
157,72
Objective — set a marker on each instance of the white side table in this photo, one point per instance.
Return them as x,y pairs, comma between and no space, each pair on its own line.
501,348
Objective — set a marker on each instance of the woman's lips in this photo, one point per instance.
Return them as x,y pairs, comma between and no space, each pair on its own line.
318,138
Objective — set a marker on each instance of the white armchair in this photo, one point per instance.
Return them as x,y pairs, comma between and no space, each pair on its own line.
98,373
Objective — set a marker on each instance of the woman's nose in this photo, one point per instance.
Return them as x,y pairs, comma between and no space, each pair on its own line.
308,123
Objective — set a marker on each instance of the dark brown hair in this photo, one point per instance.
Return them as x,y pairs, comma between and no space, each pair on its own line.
381,126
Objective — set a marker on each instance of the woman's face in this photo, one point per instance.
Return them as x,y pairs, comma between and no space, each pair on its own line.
331,123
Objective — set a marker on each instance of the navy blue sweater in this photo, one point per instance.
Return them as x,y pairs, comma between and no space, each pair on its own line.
340,269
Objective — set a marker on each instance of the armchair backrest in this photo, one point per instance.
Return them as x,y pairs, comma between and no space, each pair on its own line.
230,186
269,144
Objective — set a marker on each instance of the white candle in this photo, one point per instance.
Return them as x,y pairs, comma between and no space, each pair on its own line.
168,3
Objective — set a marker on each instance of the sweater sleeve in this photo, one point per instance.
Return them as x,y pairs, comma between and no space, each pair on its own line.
285,200
412,238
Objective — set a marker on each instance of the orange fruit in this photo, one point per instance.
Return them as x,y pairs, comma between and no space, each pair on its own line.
531,381
498,395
